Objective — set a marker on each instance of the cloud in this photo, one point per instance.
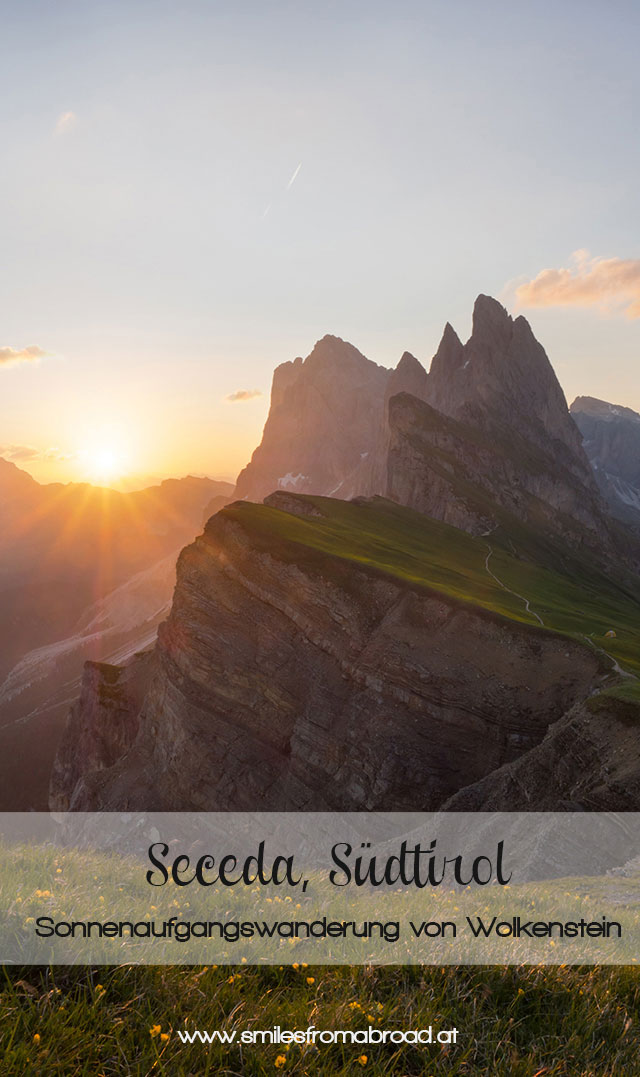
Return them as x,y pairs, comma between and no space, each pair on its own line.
613,284
243,394
65,123
29,452
11,356
19,452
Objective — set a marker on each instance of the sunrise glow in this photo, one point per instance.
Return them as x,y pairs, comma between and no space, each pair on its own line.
104,462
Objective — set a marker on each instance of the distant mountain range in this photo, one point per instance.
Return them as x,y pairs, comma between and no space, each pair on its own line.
435,605
85,572
612,442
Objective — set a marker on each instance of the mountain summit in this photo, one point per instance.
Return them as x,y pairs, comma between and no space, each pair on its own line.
493,435
502,377
323,422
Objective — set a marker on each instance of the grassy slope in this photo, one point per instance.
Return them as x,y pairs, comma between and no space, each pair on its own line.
576,600
513,1022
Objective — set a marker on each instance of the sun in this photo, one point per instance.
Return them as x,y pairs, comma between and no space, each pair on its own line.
105,462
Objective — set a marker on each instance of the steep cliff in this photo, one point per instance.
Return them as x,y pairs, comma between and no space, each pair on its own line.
343,656
494,433
371,477
502,380
103,724
588,761
324,419
469,476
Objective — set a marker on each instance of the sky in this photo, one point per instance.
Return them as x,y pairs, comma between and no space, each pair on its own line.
196,191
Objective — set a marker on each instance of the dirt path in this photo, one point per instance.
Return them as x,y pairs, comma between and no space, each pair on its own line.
616,665
508,589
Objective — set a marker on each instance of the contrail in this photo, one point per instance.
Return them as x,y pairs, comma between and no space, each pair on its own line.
294,176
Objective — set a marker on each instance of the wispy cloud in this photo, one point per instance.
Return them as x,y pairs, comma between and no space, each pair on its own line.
12,356
613,284
243,394
65,123
294,176
30,452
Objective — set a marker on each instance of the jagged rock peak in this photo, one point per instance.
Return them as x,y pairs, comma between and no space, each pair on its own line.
488,312
409,361
408,377
502,377
449,356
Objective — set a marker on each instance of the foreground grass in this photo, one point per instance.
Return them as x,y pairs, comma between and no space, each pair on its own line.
518,1022
89,886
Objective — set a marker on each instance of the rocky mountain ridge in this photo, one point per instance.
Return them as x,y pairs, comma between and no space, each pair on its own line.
292,680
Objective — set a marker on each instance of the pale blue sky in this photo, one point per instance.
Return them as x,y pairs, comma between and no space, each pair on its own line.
152,243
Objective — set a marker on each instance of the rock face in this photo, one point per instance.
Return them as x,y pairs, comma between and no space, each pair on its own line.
612,442
282,684
493,433
102,726
324,419
372,476
588,761
455,472
502,379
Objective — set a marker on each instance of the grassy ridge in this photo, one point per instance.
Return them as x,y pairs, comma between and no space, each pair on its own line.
576,600
513,1022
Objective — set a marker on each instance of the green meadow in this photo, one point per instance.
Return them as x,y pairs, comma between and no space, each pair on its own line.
513,1022
569,594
